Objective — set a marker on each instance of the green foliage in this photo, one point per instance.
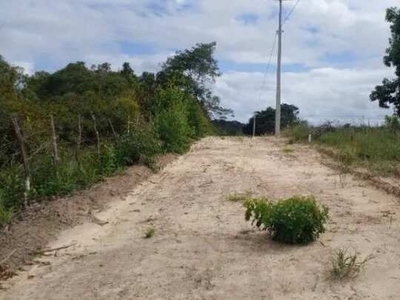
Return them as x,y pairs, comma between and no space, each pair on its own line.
299,132
136,118
347,265
392,123
389,92
228,128
265,120
296,220
372,147
138,145
193,70
172,122
6,214
150,232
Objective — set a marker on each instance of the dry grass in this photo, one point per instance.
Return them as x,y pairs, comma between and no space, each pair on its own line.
346,265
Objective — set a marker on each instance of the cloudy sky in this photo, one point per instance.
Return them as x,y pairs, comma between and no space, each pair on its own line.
332,49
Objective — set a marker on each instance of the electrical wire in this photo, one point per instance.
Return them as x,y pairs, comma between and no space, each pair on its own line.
268,67
291,12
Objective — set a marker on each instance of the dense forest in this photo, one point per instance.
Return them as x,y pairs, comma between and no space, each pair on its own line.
65,130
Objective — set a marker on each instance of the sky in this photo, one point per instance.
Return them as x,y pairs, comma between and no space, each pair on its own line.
332,49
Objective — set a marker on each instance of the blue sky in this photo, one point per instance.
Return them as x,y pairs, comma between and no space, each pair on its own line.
332,49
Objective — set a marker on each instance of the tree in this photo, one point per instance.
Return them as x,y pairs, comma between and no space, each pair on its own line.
265,120
388,93
194,70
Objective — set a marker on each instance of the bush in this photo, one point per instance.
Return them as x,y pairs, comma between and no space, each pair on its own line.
299,132
138,145
174,130
296,220
5,213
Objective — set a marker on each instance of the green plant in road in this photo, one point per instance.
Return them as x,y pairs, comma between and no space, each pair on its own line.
150,232
296,220
347,265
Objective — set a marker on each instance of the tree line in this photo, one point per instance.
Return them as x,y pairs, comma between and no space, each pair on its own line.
64,130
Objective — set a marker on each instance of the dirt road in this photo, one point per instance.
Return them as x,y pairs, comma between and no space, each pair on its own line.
204,249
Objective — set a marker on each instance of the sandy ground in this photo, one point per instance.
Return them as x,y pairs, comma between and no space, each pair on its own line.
204,249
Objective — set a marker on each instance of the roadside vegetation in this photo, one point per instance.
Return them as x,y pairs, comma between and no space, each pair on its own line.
64,131
374,148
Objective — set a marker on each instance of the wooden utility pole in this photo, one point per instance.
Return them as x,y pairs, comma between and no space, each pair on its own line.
279,76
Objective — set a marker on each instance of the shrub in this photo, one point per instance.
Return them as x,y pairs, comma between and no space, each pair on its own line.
296,220
299,132
5,213
138,145
174,130
347,265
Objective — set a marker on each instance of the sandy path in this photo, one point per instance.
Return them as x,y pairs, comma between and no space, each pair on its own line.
203,248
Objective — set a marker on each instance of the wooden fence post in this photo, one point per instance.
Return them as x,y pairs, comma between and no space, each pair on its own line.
54,140
112,129
25,161
97,136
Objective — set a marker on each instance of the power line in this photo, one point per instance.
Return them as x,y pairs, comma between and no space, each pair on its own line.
291,12
265,79
268,65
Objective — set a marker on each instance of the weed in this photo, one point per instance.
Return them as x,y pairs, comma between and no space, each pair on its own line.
150,232
5,215
238,197
346,264
296,220
288,150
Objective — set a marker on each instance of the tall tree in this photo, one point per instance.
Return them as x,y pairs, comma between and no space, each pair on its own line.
388,93
195,70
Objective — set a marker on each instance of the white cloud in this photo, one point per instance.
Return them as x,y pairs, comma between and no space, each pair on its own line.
51,33
321,94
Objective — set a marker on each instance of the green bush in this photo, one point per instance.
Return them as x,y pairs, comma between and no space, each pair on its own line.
138,145
5,213
12,186
174,130
299,132
296,220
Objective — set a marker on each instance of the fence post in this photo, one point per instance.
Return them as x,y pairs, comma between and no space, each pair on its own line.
97,136
54,140
112,129
25,161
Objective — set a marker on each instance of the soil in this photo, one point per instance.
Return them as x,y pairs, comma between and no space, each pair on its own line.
204,249
34,228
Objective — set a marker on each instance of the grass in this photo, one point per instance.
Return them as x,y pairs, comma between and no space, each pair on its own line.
150,232
238,197
5,215
288,150
374,148
346,265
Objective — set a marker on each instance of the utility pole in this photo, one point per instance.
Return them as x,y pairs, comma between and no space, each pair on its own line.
278,76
